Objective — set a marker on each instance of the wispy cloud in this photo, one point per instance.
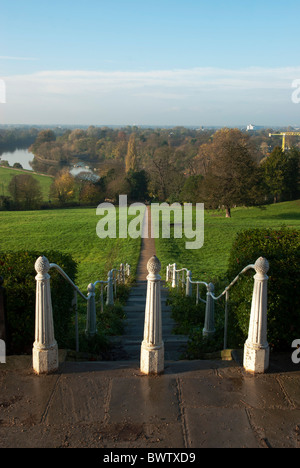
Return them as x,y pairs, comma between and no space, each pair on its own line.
80,81
193,94
9,57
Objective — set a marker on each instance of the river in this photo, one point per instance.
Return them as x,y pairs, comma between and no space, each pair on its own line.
22,156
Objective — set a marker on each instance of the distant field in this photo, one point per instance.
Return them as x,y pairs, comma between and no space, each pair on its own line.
71,231
211,260
74,231
6,174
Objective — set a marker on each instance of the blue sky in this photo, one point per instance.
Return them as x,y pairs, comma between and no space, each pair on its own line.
180,62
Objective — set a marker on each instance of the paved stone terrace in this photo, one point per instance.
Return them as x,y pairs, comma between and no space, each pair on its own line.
199,404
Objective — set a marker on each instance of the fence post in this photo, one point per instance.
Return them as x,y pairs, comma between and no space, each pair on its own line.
209,324
3,313
45,349
256,350
110,289
152,351
91,326
189,287
3,323
174,279
122,274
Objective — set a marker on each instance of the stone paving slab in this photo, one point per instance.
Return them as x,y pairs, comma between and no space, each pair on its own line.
194,404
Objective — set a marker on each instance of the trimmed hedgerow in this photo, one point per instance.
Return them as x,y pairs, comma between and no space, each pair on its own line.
281,247
17,269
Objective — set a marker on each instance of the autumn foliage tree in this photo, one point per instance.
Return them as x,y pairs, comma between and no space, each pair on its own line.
63,187
232,176
131,161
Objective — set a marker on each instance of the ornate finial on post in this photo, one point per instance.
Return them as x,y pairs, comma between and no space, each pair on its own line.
42,266
45,349
257,351
152,351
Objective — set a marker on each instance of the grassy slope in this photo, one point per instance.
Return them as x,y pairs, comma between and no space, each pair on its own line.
211,261
6,174
72,231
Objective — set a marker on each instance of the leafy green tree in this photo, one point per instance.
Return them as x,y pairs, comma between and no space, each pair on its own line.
191,191
232,176
281,174
25,191
138,185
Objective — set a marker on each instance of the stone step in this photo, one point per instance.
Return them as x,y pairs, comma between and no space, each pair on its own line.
142,307
137,339
141,315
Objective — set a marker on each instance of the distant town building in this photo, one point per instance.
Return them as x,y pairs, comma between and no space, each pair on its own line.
253,128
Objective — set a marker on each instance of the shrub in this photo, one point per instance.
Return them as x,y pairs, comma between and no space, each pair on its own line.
281,247
185,312
17,269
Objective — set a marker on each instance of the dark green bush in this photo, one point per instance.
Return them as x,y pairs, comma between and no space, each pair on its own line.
281,247
185,312
17,269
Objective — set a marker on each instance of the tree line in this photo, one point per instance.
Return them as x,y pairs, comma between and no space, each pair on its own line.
223,169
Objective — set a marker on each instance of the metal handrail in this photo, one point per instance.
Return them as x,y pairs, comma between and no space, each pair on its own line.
64,275
211,294
91,293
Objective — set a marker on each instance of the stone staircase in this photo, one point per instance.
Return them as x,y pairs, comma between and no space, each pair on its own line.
132,339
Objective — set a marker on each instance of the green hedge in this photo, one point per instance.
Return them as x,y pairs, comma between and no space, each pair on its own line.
282,249
17,269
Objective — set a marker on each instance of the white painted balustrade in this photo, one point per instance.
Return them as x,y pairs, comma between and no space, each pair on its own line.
256,350
45,348
152,350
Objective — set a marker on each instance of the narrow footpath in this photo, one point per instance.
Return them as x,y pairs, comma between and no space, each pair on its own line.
135,311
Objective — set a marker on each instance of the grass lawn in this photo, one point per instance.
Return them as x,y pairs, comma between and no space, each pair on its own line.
6,174
211,260
70,231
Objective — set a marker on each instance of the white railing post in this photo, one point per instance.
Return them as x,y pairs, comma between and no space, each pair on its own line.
110,289
209,324
91,325
167,273
122,273
152,350
189,287
256,350
174,278
45,349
